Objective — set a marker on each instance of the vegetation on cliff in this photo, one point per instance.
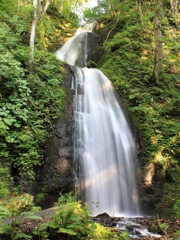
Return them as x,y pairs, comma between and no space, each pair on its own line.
30,100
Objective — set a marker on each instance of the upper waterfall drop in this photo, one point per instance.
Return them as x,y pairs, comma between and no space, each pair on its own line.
74,51
104,147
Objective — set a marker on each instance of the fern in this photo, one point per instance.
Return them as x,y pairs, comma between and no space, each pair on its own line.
35,217
54,225
68,231
5,211
30,215
23,236
6,229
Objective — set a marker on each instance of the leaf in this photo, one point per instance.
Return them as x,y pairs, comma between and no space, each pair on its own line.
35,217
54,225
9,121
27,213
5,211
23,235
68,231
30,215
5,229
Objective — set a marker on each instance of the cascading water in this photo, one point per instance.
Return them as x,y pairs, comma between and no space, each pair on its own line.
104,148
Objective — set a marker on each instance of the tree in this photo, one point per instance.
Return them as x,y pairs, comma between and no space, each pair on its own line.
174,4
44,10
138,4
32,37
158,40
18,7
41,4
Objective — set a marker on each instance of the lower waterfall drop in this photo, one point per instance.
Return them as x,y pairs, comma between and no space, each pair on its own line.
104,147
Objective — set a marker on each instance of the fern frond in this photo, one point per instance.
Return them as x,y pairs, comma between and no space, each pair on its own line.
35,217
68,231
5,211
5,229
23,236
54,225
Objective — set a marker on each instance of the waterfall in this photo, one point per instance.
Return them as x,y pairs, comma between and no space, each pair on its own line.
104,147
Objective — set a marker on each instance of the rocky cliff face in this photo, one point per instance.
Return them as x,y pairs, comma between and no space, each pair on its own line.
56,173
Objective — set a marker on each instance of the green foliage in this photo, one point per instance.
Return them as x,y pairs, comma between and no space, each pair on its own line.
176,234
64,8
22,236
40,197
16,209
20,204
4,212
7,230
29,104
154,228
124,235
9,6
53,31
91,64
72,219
31,215
90,14
176,209
164,225
100,232
4,192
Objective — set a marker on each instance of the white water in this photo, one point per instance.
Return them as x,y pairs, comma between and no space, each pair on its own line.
104,148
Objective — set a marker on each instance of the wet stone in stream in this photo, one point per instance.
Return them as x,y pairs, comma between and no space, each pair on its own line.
132,225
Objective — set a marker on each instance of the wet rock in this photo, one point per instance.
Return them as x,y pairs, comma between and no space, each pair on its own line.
105,220
137,227
56,173
94,44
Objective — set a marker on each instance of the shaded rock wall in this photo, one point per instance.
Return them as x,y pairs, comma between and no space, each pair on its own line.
56,173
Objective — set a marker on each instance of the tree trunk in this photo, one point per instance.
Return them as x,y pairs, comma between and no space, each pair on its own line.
99,8
41,4
60,5
32,37
175,7
18,7
158,40
109,8
174,4
138,4
44,10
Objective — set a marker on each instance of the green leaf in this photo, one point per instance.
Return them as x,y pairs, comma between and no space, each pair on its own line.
30,215
23,235
9,121
5,229
54,225
68,231
5,211
34,217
